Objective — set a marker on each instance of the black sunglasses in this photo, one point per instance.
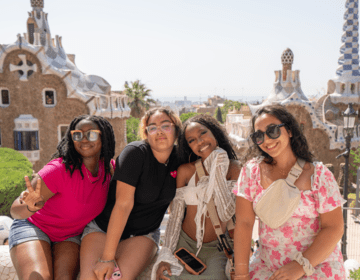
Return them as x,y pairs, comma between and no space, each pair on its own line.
273,131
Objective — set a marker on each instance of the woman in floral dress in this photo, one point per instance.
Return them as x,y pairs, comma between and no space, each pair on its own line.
312,232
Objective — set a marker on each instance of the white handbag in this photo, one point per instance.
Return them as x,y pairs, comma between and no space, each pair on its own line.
280,199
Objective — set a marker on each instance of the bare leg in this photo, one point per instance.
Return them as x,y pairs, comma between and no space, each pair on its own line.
92,247
32,260
66,256
134,255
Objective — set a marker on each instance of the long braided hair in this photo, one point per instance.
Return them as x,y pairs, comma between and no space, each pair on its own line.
72,159
213,125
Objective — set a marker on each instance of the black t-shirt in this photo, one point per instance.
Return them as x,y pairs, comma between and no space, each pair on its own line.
155,188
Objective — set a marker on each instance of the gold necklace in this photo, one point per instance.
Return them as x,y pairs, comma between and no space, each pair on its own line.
92,182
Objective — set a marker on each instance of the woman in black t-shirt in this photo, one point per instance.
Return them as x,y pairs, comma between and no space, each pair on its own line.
143,185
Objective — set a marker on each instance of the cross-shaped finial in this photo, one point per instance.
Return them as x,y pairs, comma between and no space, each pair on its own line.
24,68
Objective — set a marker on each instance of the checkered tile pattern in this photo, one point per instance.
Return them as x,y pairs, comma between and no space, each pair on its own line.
287,57
57,58
37,3
349,58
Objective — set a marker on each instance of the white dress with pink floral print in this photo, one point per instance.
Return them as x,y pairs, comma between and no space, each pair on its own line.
278,246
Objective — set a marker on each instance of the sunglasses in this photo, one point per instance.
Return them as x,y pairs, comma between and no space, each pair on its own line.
273,131
91,135
166,128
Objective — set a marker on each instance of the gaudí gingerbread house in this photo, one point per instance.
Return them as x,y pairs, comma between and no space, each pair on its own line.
322,119
42,90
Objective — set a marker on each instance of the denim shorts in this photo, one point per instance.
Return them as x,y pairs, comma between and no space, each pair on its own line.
93,227
22,231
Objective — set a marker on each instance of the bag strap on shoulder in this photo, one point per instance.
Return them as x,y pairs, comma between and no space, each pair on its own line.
295,172
223,243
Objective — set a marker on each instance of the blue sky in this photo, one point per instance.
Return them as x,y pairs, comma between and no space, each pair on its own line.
193,48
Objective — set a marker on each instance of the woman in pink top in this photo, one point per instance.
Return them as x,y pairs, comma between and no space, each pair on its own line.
68,193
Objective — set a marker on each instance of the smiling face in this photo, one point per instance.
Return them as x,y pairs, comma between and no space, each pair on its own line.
273,147
160,140
85,147
200,139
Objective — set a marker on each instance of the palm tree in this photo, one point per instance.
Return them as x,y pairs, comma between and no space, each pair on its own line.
139,97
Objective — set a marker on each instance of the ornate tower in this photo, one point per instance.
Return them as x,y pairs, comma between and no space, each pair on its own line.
38,31
287,59
37,3
344,88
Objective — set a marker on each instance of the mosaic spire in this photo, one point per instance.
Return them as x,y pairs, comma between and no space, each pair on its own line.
37,3
287,59
349,58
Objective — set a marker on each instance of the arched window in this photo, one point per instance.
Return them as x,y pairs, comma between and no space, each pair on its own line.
342,88
353,88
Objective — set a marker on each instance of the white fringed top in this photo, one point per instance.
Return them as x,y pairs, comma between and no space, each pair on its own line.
216,185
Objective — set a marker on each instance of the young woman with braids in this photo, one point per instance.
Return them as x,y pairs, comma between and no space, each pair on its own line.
202,137
127,232
304,244
61,200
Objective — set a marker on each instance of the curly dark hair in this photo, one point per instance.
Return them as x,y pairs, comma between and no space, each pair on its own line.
214,126
298,141
72,159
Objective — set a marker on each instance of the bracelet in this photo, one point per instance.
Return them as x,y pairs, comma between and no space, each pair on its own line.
102,261
237,277
304,262
27,206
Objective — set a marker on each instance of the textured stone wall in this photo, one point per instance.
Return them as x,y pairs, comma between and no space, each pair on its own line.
119,127
317,139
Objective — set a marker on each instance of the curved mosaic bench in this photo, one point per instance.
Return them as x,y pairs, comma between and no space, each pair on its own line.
7,270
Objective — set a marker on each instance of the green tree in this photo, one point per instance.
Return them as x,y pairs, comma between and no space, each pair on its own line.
355,156
186,116
13,167
139,98
132,129
355,274
218,115
230,104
